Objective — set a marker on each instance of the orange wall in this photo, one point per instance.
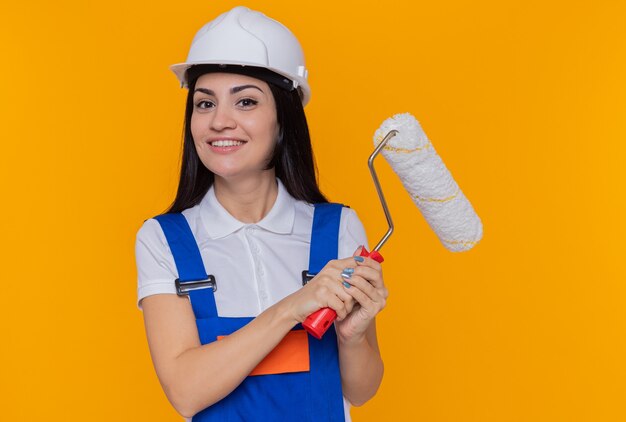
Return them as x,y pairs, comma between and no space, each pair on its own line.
525,102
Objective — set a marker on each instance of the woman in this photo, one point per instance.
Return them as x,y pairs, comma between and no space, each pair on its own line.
231,348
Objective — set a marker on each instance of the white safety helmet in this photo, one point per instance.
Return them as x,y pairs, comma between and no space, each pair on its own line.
244,37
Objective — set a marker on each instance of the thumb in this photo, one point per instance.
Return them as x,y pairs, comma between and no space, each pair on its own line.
359,251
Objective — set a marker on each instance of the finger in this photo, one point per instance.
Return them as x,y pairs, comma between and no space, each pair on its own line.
375,278
364,301
338,265
332,285
365,286
347,262
367,262
332,282
378,295
358,250
338,306
350,303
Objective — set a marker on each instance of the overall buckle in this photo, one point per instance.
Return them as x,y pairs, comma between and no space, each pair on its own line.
306,277
184,287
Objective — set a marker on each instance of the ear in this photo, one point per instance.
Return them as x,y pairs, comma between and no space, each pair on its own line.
279,138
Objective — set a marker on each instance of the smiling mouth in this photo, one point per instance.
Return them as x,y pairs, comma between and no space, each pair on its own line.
226,143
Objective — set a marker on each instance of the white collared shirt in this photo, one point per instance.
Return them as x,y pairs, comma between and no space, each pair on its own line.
255,265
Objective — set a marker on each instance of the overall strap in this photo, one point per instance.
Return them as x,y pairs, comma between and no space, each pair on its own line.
188,261
324,236
324,353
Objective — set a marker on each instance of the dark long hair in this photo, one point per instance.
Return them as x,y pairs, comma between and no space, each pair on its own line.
292,158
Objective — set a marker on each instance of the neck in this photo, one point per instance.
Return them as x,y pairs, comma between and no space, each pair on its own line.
247,200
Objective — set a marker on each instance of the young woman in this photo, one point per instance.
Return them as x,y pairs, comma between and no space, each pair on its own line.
220,275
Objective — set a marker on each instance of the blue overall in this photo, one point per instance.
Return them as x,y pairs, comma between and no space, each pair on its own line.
314,395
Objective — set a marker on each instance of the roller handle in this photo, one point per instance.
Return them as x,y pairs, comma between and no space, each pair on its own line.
318,322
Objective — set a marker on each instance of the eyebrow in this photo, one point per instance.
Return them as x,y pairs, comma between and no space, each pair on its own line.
233,90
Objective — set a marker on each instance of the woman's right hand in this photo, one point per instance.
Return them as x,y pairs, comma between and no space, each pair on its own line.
325,290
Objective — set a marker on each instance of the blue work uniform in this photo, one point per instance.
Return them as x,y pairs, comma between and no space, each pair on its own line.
310,395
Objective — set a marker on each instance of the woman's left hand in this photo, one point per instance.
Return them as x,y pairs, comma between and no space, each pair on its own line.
370,295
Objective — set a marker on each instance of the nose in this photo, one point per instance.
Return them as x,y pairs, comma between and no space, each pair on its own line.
223,118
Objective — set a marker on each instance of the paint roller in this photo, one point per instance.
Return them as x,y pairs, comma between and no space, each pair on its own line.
425,177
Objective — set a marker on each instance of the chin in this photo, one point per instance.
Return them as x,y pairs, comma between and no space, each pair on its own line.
236,173
224,171
233,169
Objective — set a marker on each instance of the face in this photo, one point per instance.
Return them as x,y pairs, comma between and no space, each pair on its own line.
233,124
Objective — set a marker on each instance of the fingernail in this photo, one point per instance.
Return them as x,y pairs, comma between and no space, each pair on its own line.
346,284
348,270
346,276
359,259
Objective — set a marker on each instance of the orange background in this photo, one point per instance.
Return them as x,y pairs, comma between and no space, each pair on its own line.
525,102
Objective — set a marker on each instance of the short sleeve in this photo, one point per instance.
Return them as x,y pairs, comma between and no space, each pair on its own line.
351,233
156,270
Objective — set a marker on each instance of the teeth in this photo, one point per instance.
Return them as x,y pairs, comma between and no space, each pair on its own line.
226,143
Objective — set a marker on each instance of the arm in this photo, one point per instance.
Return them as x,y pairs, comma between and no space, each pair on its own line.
195,376
361,367
359,355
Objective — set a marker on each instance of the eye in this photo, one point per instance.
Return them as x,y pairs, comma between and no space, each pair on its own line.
204,104
247,102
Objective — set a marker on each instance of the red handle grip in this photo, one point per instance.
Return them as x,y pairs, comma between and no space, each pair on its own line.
318,322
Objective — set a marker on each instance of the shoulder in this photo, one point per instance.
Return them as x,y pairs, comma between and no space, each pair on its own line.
351,233
351,230
349,217
305,212
151,234
151,231
156,270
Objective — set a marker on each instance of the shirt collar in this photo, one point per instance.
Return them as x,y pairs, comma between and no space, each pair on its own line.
282,215
220,223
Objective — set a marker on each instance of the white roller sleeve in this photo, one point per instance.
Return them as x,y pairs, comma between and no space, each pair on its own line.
430,184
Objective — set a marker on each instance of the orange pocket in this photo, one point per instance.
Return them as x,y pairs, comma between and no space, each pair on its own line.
290,355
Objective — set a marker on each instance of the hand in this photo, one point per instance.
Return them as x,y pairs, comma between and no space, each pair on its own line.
368,290
325,290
